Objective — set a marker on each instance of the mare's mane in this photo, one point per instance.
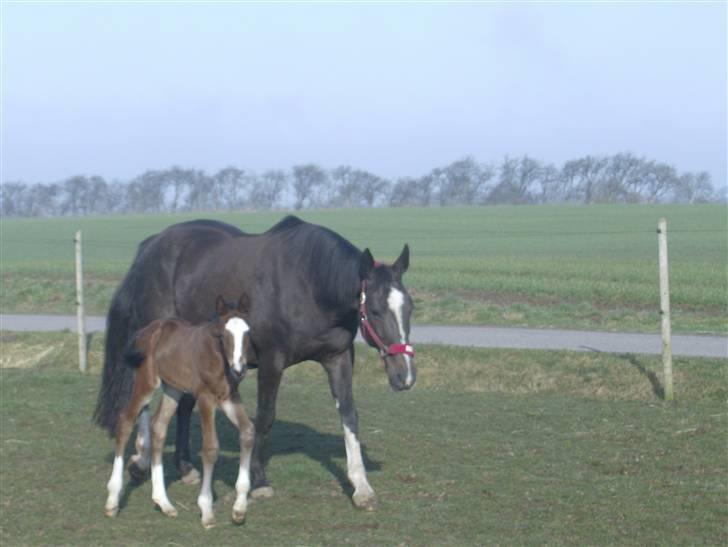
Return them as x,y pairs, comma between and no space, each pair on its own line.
325,258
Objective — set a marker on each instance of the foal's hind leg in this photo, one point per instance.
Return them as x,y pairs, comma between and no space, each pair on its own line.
159,433
234,410
123,430
138,465
210,450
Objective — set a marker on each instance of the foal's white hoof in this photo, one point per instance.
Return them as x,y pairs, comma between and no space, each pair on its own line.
262,492
239,515
111,512
366,501
192,477
208,522
167,509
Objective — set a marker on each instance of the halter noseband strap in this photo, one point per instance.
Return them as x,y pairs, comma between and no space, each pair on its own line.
369,334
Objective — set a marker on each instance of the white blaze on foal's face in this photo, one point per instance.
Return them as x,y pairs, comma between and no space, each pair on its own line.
237,327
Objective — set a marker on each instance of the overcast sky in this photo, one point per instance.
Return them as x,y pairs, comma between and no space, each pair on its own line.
117,88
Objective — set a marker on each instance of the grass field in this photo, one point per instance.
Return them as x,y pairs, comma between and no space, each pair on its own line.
589,267
497,447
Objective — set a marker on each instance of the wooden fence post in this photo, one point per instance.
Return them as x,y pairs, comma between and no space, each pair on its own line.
80,315
665,308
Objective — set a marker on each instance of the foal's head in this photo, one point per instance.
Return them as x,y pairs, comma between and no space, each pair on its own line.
385,310
232,328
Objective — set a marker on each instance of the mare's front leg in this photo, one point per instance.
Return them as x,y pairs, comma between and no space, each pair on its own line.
182,459
270,371
160,422
340,370
210,451
234,410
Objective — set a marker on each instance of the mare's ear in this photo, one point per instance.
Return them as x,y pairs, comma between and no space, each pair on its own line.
366,264
220,306
402,263
244,304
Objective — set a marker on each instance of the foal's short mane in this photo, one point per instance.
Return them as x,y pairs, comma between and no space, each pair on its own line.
327,260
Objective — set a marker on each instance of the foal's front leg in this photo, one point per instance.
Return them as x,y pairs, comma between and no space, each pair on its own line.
234,410
210,449
160,422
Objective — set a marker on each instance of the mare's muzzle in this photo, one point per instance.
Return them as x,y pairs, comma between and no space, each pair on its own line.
401,369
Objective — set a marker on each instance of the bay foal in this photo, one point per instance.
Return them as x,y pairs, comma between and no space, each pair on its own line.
207,361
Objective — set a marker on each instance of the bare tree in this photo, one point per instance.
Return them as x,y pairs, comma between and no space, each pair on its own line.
13,195
356,187
268,188
463,182
693,188
520,181
307,179
231,188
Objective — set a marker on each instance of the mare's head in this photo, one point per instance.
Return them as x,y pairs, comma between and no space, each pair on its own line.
231,326
385,310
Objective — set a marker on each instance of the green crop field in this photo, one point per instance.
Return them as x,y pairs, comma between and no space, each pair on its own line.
591,267
491,447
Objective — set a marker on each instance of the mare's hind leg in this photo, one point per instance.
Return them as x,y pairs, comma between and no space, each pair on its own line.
210,450
339,370
123,430
138,465
234,410
159,433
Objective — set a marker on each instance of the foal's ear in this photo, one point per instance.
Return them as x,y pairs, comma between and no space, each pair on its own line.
402,263
220,306
244,303
366,264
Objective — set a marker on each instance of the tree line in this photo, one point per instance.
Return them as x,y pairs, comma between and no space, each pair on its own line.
620,178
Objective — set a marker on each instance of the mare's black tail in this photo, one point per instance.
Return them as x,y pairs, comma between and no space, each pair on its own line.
118,378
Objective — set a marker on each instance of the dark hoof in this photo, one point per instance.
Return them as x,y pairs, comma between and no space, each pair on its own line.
136,473
191,477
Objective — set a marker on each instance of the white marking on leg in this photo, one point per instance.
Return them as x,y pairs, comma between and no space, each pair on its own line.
395,301
237,327
159,492
355,468
242,487
336,401
229,409
204,500
114,486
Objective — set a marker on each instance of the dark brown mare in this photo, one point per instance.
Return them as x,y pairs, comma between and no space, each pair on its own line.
310,290
208,362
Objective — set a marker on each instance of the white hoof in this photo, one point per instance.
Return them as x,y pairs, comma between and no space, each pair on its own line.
365,500
111,511
239,510
208,521
261,493
166,508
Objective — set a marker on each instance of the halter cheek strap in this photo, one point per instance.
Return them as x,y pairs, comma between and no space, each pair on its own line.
371,336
